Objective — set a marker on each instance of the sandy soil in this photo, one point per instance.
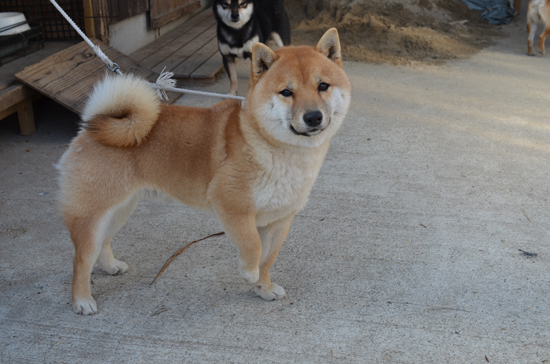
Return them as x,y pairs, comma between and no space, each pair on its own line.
395,32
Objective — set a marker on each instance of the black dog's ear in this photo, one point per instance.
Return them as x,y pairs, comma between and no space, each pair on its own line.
329,45
262,58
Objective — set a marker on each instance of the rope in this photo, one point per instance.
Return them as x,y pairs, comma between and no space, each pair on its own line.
164,83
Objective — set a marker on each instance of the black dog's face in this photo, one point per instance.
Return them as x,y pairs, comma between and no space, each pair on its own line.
235,13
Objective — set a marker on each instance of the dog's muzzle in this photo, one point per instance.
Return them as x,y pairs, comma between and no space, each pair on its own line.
314,124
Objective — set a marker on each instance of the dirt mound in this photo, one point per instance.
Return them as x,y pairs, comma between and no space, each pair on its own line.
398,32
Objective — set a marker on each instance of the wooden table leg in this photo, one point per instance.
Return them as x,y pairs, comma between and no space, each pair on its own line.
26,117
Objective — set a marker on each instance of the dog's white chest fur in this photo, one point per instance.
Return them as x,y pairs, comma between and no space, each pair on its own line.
284,183
239,52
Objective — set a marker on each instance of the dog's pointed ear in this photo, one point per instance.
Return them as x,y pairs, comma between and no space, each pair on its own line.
262,58
329,45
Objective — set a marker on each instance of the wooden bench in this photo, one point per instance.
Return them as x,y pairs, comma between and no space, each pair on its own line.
17,98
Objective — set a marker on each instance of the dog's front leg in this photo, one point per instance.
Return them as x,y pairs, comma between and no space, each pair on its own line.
241,229
231,69
273,237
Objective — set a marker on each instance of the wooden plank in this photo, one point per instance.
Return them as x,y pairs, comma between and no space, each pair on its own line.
170,48
209,69
129,8
76,96
164,11
161,7
170,37
171,52
187,51
65,68
185,69
26,117
5,113
45,64
13,95
68,76
181,49
174,15
7,83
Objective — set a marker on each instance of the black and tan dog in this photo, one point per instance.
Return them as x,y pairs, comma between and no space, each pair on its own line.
242,23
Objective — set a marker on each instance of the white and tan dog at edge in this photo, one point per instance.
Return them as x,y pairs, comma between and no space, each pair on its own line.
253,167
538,12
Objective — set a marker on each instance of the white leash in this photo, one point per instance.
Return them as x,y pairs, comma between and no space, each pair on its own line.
164,83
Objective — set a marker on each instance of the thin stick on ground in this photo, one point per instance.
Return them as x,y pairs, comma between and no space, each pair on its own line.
179,252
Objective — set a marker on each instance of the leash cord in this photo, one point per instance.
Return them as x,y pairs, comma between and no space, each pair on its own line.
164,83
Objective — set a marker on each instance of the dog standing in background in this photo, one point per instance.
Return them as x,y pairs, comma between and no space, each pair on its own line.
242,23
538,12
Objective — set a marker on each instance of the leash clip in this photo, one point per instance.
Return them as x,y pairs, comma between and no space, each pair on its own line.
115,67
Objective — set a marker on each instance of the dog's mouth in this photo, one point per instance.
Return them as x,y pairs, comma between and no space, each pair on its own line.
309,133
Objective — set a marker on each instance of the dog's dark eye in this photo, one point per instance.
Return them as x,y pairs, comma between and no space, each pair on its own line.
225,5
243,5
286,93
323,86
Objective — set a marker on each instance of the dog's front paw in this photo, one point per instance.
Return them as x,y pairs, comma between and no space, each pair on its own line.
114,267
275,292
251,276
85,306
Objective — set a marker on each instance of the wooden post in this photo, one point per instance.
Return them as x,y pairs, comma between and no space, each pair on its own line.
89,19
26,116
100,10
16,97
517,6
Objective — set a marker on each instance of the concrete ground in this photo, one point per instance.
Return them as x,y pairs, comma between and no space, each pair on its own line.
425,240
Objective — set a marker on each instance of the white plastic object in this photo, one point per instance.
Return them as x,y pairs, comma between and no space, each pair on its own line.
9,19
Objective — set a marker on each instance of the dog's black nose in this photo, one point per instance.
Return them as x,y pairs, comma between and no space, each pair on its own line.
235,17
313,118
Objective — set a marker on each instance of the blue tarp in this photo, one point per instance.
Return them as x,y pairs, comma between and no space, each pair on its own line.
496,12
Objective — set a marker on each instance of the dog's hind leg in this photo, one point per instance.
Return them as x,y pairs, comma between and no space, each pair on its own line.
273,237
106,259
91,236
542,38
531,30
86,233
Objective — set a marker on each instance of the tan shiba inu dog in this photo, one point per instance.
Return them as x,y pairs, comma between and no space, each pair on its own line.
252,166
538,12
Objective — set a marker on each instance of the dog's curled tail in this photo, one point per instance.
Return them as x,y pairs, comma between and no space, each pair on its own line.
121,111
